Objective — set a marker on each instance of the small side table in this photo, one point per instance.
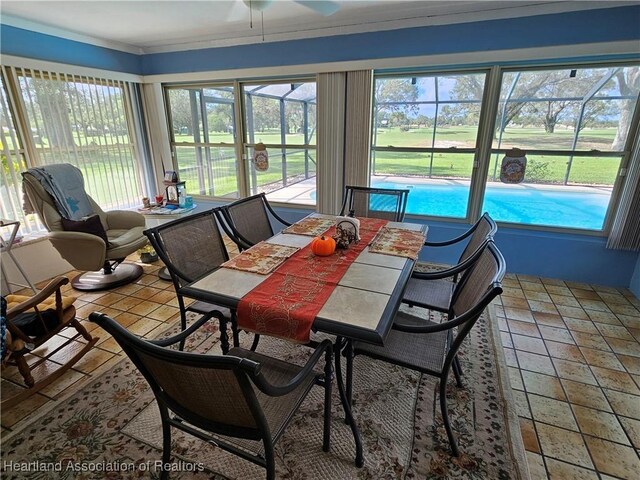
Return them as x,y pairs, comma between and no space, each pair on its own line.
5,247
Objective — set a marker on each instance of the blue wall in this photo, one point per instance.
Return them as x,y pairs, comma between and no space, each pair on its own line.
25,43
591,26
634,285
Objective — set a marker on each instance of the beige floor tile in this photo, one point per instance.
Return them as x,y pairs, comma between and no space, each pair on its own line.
632,364
523,328
145,308
528,344
632,427
506,339
615,380
614,459
599,358
164,313
515,378
565,300
599,424
624,403
591,340
615,331
143,326
512,292
129,289
551,319
518,314
13,415
573,312
613,298
543,307
510,357
586,395
109,299
625,347
564,471
68,379
597,305
630,321
544,385
522,404
92,360
535,363
563,444
146,293
127,318
600,316
537,296
584,326
559,290
624,309
577,372
564,351
552,412
127,303
552,282
164,296
515,302
503,326
555,334
536,466
585,294
532,286
529,436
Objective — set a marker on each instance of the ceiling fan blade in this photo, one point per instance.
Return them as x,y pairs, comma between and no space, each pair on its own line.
323,7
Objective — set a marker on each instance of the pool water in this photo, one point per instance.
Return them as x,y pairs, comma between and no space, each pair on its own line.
518,204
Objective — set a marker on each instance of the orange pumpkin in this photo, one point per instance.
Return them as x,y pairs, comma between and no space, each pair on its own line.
323,246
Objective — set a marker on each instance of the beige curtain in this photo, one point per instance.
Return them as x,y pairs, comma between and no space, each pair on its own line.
157,131
625,231
330,148
358,127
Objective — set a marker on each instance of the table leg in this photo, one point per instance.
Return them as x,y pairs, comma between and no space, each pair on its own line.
345,402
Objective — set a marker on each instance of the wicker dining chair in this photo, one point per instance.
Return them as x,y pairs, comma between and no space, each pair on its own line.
249,220
385,203
433,290
192,247
241,402
431,348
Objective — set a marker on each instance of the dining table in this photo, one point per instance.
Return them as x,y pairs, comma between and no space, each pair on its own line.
358,304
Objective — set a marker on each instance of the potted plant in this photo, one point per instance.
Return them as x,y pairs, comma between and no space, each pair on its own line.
148,254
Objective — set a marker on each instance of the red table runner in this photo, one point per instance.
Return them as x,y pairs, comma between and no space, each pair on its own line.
286,304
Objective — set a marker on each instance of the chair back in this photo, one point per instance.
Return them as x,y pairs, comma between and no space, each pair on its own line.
479,284
484,229
190,247
385,203
45,207
248,219
209,391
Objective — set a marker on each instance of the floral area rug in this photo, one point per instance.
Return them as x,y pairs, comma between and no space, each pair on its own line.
111,428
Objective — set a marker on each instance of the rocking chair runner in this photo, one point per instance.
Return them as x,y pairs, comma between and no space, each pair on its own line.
31,323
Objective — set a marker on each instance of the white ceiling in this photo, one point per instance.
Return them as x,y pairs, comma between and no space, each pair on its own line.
156,26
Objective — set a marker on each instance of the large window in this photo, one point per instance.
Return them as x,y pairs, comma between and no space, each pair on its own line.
207,139
424,138
573,124
73,119
203,136
283,117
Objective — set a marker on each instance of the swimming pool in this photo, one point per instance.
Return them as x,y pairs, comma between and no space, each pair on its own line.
573,207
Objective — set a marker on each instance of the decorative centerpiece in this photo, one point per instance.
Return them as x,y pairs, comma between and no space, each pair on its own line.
347,231
148,254
323,246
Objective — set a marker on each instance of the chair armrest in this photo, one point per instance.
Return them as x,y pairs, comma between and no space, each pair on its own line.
165,342
53,286
83,251
325,347
450,272
124,219
275,215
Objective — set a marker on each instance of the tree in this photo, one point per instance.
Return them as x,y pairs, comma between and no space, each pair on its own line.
391,96
181,117
628,81
52,100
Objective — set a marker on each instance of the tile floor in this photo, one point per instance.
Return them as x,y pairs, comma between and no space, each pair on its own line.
573,352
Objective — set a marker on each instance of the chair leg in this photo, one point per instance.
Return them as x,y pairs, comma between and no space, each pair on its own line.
270,460
24,370
81,330
445,415
328,382
349,356
234,329
183,320
457,362
224,337
457,372
166,441
256,340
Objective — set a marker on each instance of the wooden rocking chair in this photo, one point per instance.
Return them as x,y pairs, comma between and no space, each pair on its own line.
30,323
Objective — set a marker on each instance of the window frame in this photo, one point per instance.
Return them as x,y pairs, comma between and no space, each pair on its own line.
484,150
